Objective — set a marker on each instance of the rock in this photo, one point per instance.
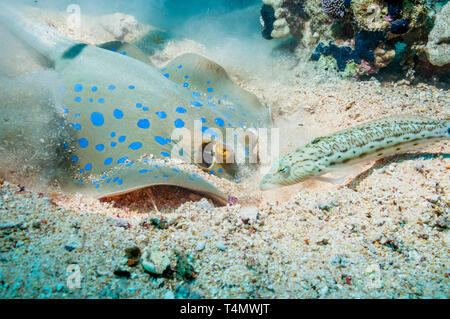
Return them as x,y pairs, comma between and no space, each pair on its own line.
159,282
383,57
183,292
280,27
204,204
248,214
323,291
183,268
133,255
328,206
119,24
123,273
155,261
221,246
169,295
200,246
438,46
72,245
159,223
323,242
208,234
11,225
119,222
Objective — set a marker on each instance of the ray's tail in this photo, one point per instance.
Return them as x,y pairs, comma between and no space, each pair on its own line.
36,34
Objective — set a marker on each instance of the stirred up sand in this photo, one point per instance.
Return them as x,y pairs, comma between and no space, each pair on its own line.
383,235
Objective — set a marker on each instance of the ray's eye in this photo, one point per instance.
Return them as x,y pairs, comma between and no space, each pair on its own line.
284,169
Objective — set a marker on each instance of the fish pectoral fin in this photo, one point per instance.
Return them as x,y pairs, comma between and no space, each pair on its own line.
330,180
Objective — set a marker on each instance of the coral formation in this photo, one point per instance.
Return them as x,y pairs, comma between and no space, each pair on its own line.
438,47
119,24
334,8
374,34
280,26
383,57
267,20
399,27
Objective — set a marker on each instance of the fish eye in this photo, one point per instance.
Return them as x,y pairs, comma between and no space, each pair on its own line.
284,169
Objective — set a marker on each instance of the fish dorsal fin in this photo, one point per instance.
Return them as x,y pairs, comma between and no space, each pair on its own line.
127,49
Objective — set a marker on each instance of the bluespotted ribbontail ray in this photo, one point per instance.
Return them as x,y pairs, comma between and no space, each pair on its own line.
209,81
372,140
121,111
128,49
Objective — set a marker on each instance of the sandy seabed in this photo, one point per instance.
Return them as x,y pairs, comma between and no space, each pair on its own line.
383,235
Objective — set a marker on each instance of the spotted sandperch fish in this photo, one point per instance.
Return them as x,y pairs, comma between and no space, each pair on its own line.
364,142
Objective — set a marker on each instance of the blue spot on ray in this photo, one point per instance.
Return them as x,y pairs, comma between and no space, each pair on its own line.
118,114
180,110
135,145
100,147
83,142
122,160
111,87
122,139
161,140
179,123
108,161
196,103
97,119
78,88
219,122
76,126
161,114
143,124
88,167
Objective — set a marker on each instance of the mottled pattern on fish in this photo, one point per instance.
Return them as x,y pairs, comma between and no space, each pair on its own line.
363,142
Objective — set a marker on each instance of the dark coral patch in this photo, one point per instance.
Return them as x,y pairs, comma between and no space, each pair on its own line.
400,27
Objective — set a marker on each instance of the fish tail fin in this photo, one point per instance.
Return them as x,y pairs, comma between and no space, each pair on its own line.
36,34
